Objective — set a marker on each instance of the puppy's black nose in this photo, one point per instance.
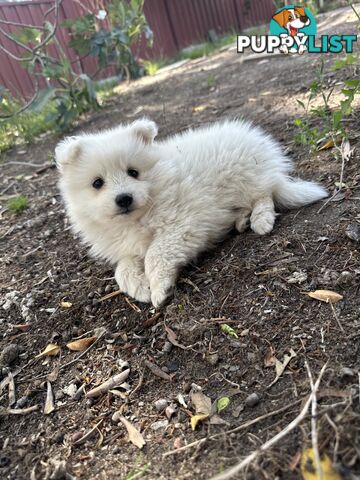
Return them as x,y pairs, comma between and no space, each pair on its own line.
124,200
304,19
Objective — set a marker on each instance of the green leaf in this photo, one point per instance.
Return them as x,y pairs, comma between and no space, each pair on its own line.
228,330
222,403
27,35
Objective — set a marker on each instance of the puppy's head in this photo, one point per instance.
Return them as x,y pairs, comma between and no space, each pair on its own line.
105,177
294,17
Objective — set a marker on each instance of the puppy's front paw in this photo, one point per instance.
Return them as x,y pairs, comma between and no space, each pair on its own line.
136,286
161,293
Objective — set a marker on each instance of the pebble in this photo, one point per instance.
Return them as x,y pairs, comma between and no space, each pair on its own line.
58,437
167,347
353,232
116,416
252,400
21,402
346,372
9,354
161,404
76,436
212,359
344,279
159,424
170,411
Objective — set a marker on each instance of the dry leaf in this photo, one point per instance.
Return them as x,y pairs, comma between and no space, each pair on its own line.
135,436
325,296
65,304
201,402
81,345
195,419
308,468
203,409
346,150
23,327
199,108
281,366
171,335
325,146
269,359
49,403
50,351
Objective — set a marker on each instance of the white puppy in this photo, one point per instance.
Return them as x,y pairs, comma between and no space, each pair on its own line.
150,207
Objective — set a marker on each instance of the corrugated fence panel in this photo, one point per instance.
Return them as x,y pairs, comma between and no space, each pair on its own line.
176,24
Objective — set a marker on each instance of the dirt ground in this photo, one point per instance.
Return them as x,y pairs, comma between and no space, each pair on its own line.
246,283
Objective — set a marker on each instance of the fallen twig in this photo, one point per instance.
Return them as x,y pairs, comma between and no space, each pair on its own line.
139,385
250,458
157,370
314,435
49,402
12,397
88,434
18,411
109,384
236,429
83,353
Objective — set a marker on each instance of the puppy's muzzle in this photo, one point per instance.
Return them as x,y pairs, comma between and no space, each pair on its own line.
124,201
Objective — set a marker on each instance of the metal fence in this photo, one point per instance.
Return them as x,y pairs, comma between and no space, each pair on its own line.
175,23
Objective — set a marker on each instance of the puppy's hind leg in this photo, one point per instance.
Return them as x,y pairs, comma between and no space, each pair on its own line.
262,218
242,222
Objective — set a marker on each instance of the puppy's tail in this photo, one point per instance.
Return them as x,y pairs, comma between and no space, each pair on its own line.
294,192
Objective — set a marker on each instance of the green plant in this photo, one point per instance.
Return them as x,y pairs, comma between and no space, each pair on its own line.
333,117
153,66
17,204
109,35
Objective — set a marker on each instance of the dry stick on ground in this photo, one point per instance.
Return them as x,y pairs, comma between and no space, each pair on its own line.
250,458
314,435
236,429
109,384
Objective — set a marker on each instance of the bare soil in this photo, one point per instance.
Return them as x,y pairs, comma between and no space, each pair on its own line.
245,283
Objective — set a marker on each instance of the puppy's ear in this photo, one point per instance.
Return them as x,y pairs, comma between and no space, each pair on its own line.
281,18
144,129
67,151
300,11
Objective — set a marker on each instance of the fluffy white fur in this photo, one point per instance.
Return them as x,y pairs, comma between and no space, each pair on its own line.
191,190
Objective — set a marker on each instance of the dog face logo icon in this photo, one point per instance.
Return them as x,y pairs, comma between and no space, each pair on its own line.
293,21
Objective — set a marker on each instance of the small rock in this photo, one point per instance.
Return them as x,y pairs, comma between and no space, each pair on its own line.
159,425
21,402
76,436
297,277
237,410
58,437
161,404
9,354
4,460
346,372
252,400
212,358
170,411
116,416
173,366
345,278
70,390
167,347
353,232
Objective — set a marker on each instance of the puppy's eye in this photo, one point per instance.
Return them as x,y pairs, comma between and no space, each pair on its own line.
132,173
98,183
